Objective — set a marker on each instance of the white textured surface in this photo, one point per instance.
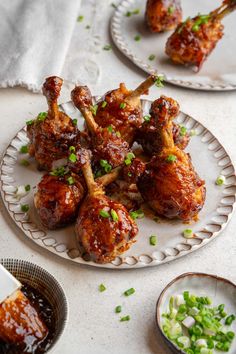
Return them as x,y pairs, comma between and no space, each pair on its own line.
93,326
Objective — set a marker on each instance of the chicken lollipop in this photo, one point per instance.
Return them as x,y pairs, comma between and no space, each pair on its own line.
121,109
106,145
51,133
20,322
150,134
163,15
104,227
169,183
194,39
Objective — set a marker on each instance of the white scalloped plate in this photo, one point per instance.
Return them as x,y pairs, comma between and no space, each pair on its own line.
210,159
218,72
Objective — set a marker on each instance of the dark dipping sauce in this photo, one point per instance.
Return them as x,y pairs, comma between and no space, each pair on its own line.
45,311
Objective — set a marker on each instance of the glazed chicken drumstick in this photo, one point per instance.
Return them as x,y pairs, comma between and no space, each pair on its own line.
106,144
121,109
150,134
163,15
19,321
169,183
51,133
104,227
193,40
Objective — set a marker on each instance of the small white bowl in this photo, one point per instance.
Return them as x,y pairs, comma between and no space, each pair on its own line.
220,290
39,278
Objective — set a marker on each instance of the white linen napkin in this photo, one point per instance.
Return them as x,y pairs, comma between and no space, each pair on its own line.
34,39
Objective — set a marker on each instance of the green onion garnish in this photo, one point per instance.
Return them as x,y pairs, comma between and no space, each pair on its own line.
159,81
72,157
110,129
114,5
30,122
183,130
24,149
24,162
70,180
125,318
220,180
129,157
122,105
80,18
94,109
102,288
147,118
188,233
107,47
104,213
170,10
74,121
118,134
171,158
136,11
72,149
106,166
137,38
153,240
104,103
229,320
128,14
118,309
151,57
27,188
25,208
41,116
129,174
114,215
129,292
137,214
59,172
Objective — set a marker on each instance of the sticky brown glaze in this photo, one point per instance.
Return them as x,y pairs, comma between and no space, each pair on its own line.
20,322
124,120
51,137
149,135
56,201
163,15
132,172
172,189
102,239
189,47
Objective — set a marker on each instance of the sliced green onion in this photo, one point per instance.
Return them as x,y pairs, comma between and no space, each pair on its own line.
136,11
72,149
129,292
41,116
30,122
125,318
188,233
220,180
137,214
159,81
171,9
151,57
114,215
73,158
24,149
122,105
80,18
74,121
104,213
171,158
94,109
24,162
118,134
25,208
102,288
128,14
110,129
107,47
118,309
137,38
70,180
104,104
106,166
129,174
183,130
27,188
60,171
153,240
229,320
114,5
147,118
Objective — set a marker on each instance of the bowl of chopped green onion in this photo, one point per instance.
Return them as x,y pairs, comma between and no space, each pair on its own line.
196,314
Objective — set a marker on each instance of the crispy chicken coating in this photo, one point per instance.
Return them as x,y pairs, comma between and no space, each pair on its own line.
104,228
150,134
58,198
194,39
163,15
20,322
51,133
170,184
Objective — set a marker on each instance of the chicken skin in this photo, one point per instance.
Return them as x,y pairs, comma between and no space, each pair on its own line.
58,198
104,228
163,15
20,322
150,134
106,144
51,133
121,109
194,39
169,183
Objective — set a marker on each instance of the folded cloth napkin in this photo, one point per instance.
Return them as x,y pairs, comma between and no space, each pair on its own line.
34,39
